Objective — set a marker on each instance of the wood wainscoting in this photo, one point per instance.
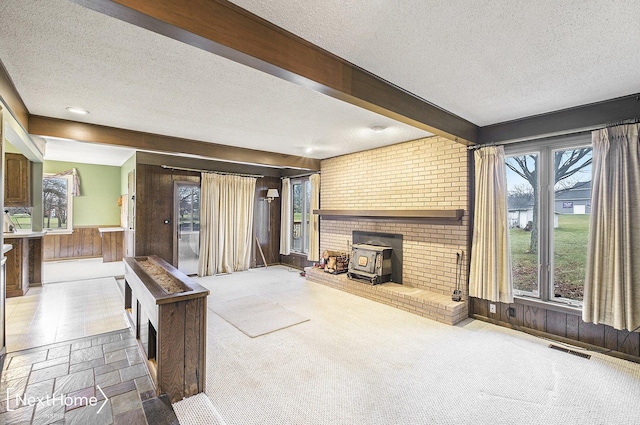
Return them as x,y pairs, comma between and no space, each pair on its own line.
84,242
561,326
297,261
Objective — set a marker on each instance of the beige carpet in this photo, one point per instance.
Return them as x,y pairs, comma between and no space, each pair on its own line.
361,362
256,316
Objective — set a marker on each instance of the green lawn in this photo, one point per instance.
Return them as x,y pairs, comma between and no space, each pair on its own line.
570,257
23,221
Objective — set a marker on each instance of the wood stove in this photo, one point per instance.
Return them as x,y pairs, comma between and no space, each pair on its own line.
372,263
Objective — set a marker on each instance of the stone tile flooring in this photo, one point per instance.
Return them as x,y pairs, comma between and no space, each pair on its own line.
98,380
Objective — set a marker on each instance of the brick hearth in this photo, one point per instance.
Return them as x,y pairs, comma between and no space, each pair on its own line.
414,300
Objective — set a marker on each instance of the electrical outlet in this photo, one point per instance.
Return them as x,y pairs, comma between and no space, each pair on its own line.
511,312
492,308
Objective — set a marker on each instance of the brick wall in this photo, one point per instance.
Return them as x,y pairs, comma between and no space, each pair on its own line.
430,173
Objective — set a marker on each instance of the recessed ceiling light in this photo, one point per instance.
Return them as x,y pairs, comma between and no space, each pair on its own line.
79,111
378,128
308,149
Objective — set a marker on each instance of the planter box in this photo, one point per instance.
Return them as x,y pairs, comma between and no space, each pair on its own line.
168,312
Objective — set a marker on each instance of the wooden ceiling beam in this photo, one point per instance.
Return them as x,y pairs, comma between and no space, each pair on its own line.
92,133
11,98
224,29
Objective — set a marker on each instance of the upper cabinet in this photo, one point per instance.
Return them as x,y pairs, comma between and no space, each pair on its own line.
17,181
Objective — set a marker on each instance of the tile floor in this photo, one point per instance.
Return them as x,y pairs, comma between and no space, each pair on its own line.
98,380
71,339
80,269
63,311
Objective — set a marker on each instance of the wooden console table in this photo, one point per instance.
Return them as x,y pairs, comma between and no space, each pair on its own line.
168,312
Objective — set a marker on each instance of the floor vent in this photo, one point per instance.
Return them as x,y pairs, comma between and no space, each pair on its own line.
566,350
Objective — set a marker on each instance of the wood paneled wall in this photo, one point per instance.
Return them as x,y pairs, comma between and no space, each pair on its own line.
155,211
564,326
154,206
84,242
297,261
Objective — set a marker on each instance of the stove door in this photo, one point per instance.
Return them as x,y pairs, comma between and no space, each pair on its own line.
363,260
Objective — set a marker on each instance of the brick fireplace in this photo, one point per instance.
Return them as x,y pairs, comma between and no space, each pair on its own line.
427,174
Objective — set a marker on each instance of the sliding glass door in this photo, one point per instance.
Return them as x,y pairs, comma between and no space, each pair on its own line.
187,204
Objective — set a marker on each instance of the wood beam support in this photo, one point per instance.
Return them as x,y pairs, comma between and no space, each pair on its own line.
224,29
91,133
572,120
11,98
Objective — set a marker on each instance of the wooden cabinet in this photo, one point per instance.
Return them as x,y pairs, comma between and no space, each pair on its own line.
17,267
24,264
17,181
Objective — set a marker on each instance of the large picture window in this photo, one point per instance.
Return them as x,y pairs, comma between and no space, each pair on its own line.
301,201
57,203
549,202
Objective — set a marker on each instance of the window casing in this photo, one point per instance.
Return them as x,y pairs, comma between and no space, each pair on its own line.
57,202
549,217
301,213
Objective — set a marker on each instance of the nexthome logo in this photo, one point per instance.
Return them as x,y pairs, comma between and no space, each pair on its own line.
57,399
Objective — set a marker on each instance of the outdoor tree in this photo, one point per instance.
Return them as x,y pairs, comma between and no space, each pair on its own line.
54,197
520,196
565,165
189,203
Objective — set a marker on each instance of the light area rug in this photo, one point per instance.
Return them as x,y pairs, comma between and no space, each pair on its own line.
255,315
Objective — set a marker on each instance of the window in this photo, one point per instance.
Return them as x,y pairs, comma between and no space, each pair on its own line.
549,201
20,217
57,202
301,201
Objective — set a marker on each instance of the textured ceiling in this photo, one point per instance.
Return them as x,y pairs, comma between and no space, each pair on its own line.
487,62
60,54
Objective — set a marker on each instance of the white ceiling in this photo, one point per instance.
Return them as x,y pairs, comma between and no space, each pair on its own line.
487,62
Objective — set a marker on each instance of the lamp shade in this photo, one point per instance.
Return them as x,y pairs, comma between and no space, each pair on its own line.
272,193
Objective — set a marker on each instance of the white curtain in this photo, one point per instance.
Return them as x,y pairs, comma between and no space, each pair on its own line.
314,221
490,275
612,281
226,223
285,217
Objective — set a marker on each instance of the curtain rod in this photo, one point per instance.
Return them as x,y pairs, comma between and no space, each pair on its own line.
299,175
211,171
626,121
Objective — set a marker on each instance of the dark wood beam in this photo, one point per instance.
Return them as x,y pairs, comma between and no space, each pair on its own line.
224,29
12,99
169,161
581,118
91,133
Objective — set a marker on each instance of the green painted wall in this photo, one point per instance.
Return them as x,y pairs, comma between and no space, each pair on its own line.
100,186
128,166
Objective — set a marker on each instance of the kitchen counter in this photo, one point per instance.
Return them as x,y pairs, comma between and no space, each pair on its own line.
23,234
110,229
6,248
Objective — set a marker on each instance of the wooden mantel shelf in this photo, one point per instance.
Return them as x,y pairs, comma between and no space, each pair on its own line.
429,216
